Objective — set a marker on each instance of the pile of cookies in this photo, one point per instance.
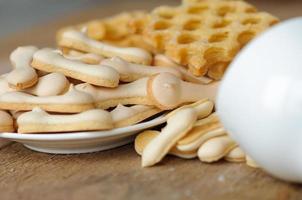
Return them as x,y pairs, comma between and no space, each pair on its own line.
191,131
124,69
201,35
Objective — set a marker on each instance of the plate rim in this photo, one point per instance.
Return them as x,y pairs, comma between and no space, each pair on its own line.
84,134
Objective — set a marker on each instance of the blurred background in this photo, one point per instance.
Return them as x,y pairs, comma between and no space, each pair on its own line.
25,22
16,15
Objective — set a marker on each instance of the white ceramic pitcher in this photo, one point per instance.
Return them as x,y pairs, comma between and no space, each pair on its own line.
260,100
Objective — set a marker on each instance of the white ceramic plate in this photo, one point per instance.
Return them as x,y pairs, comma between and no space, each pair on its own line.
81,142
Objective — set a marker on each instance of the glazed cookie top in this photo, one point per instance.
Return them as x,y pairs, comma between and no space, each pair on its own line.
55,58
131,71
73,97
22,56
50,85
123,112
39,116
5,119
137,88
131,54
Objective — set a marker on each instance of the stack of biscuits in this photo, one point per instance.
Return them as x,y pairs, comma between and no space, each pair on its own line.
121,70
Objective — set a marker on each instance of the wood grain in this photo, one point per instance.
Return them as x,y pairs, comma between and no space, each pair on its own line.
116,174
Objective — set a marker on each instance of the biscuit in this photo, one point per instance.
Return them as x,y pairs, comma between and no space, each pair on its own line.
39,121
51,60
125,94
88,58
168,91
4,87
123,116
250,162
164,61
78,40
130,72
6,122
177,126
145,137
23,75
73,101
202,131
52,84
48,85
203,107
216,148
235,155
206,35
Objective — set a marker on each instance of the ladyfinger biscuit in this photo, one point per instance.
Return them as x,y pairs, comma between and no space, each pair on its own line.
48,85
125,94
125,116
216,148
52,84
235,155
4,87
202,131
6,122
51,60
23,76
250,162
203,108
177,127
73,101
164,61
130,72
168,91
39,121
78,40
88,58
145,137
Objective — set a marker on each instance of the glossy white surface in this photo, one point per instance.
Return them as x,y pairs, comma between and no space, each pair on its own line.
81,142
260,100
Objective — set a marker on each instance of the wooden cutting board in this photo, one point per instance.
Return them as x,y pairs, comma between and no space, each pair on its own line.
116,174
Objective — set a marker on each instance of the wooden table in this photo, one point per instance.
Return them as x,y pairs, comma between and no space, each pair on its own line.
116,174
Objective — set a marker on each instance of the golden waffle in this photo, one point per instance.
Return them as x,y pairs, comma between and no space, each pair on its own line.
123,29
205,35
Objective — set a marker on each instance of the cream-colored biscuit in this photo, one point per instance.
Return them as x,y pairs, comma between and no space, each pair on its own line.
130,93
202,131
89,58
47,85
203,107
177,127
6,122
235,155
78,40
250,162
23,76
168,91
164,90
164,61
216,148
130,72
125,116
4,87
50,85
145,137
73,101
39,121
51,60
